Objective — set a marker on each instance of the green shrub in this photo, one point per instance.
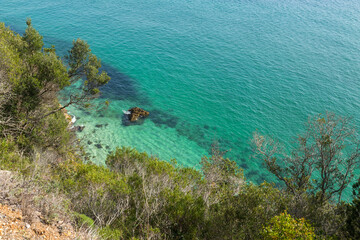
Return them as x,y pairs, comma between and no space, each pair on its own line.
181,215
284,227
110,233
83,220
10,157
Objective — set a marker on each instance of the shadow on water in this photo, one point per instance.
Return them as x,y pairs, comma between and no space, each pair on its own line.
197,133
200,134
163,118
121,87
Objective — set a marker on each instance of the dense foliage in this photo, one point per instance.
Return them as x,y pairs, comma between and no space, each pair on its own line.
137,196
286,227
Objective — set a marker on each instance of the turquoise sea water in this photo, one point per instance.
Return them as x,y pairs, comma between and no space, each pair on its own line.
207,70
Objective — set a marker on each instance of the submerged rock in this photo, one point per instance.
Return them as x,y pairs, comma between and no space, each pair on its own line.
163,118
136,113
77,128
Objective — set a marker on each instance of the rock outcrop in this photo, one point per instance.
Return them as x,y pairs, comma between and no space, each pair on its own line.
136,113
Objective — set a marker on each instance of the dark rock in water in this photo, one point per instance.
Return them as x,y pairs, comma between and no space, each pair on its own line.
89,142
107,147
78,128
125,121
136,113
206,126
101,125
98,145
93,131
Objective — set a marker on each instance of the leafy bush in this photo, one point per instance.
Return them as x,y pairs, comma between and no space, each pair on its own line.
83,220
10,157
285,227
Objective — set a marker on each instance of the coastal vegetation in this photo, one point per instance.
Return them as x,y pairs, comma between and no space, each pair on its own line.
138,196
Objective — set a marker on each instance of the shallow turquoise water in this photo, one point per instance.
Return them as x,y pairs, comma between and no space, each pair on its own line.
207,69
